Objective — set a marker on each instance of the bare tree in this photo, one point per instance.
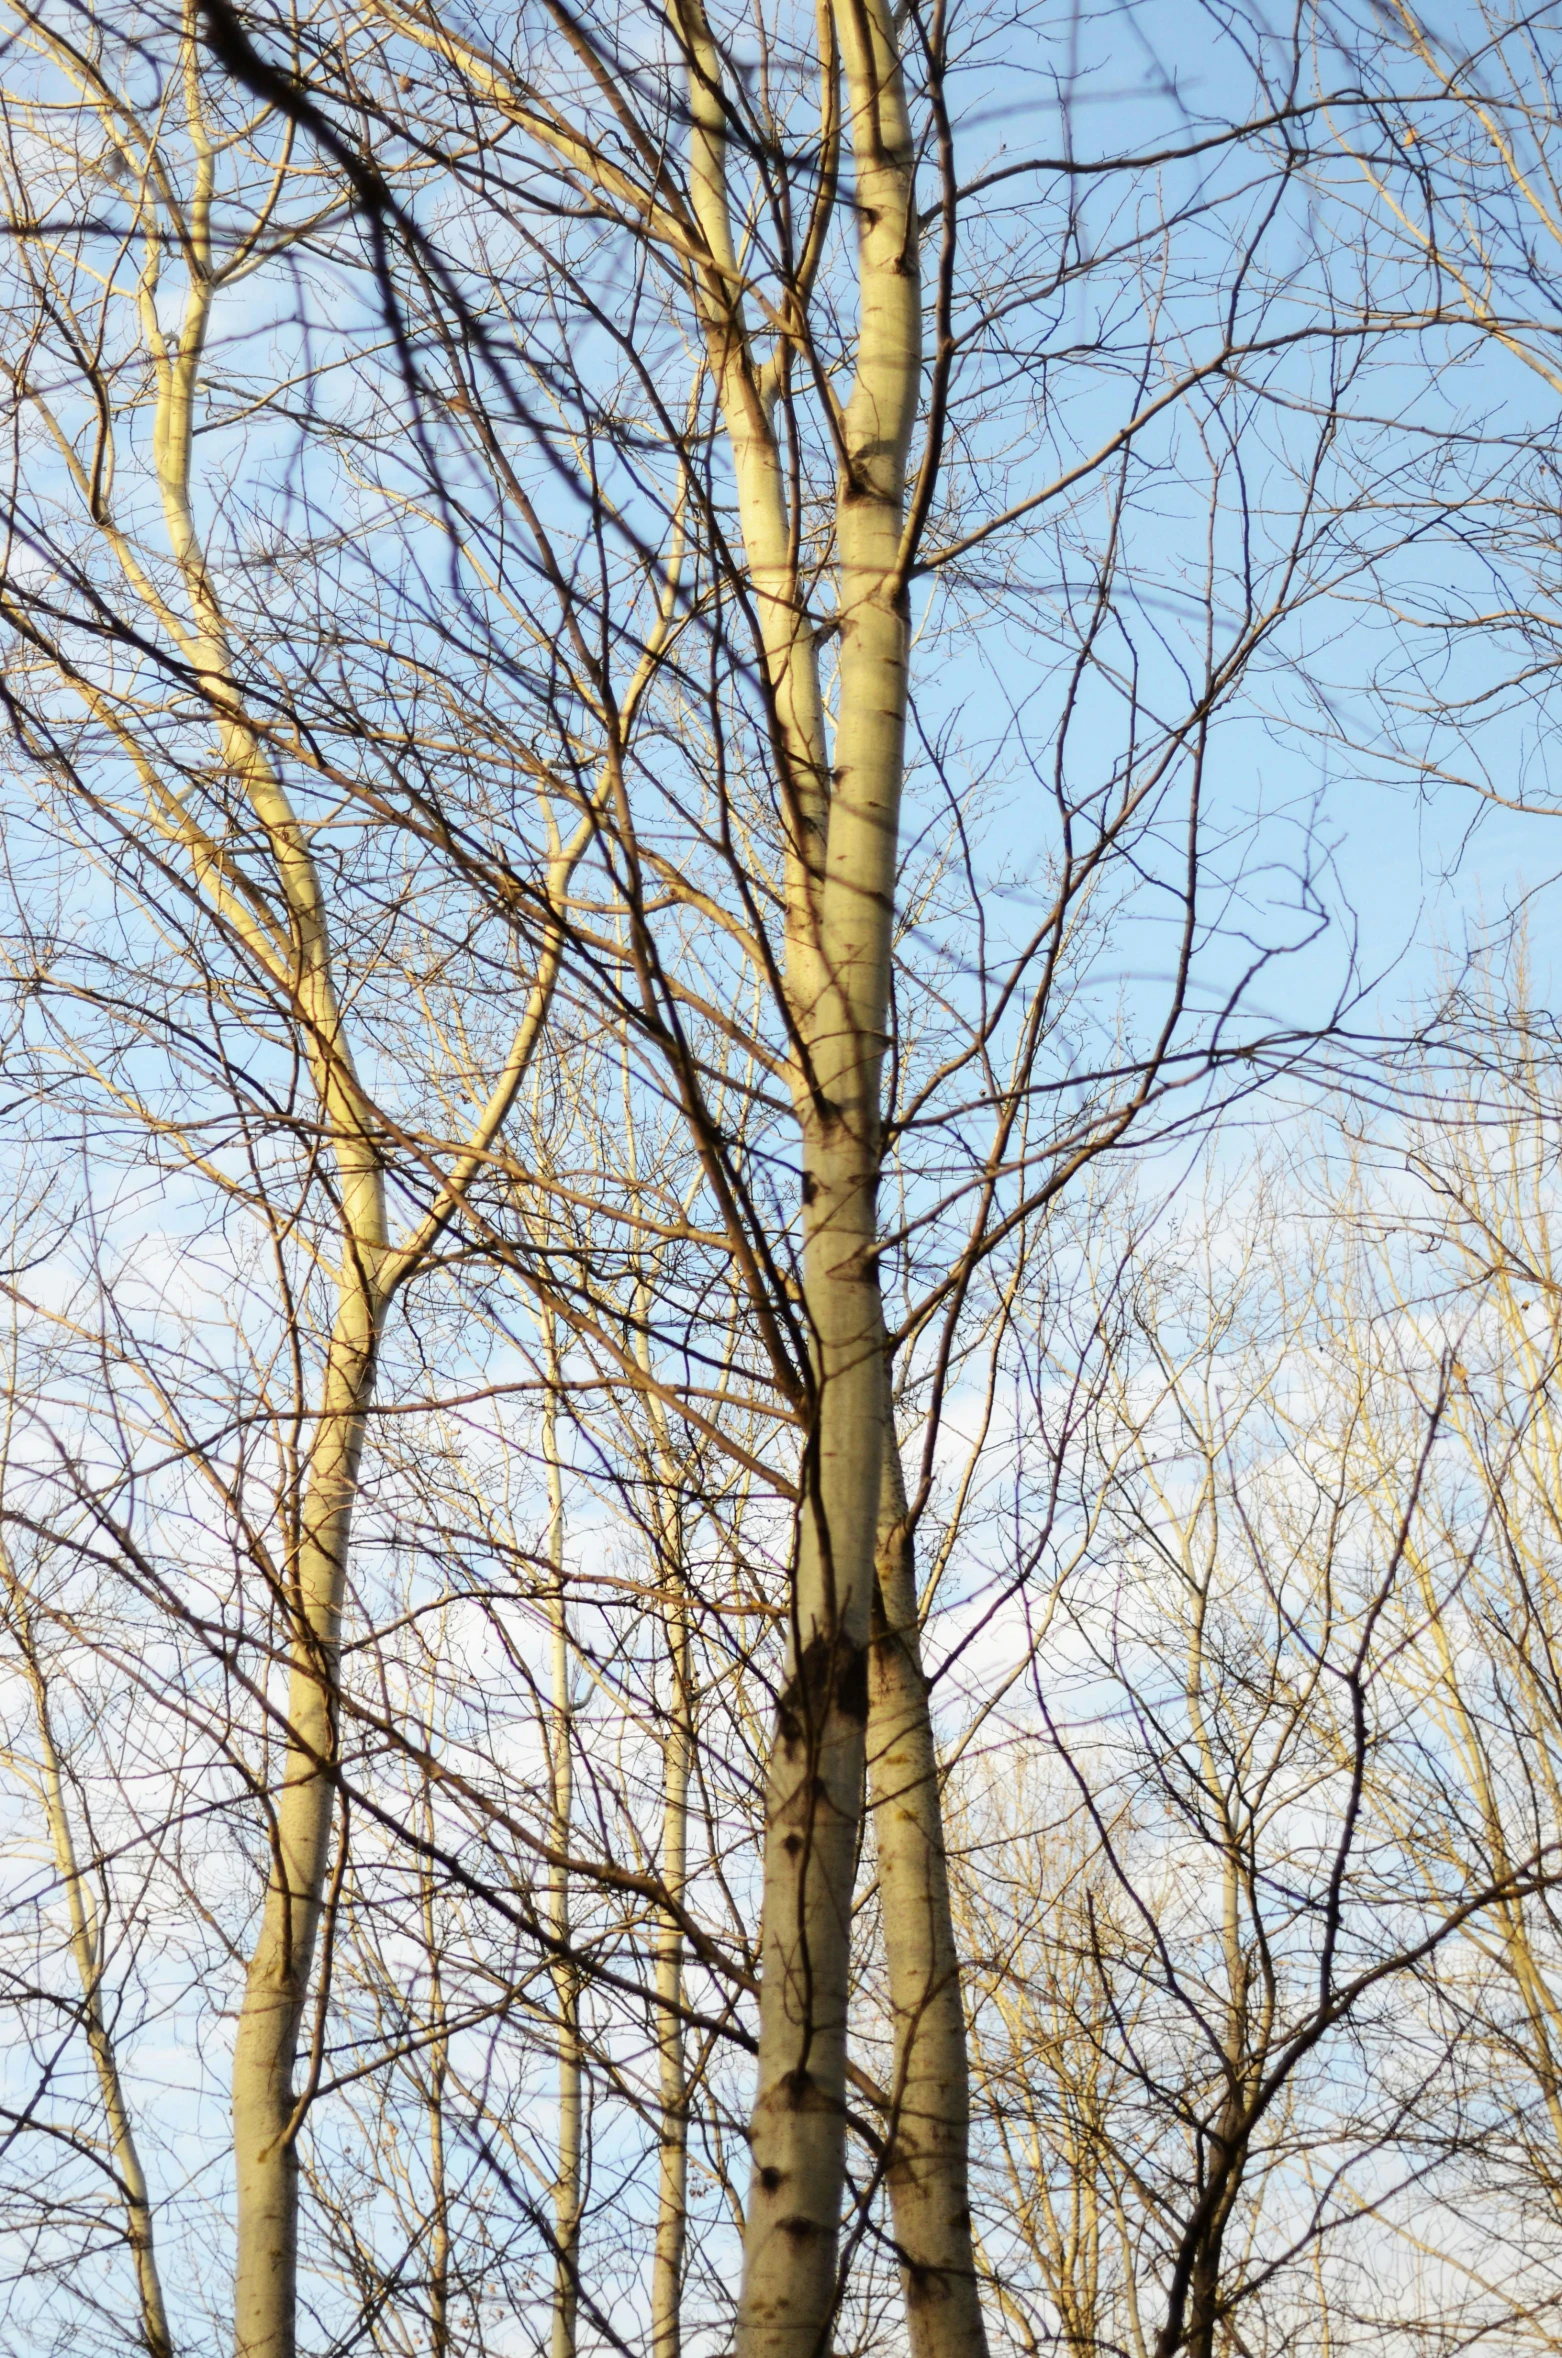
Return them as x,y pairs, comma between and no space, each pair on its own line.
1209,1901
89,1949
497,501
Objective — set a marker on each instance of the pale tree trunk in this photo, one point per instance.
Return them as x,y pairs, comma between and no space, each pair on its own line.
439,2072
280,918
672,2193
673,2166
295,951
87,1954
840,881
929,2129
439,2228
566,1982
813,1811
840,903
293,948
267,2113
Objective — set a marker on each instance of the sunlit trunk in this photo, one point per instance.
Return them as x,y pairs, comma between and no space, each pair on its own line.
267,2110
814,1795
928,2177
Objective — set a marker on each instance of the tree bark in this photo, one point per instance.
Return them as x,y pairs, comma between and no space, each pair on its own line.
267,2113
672,2191
566,2188
813,1810
673,2167
285,929
927,2176
439,2073
261,883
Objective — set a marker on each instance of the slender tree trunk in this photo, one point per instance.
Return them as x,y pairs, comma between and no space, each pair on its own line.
841,867
439,2072
1194,2322
259,879
667,2258
86,1951
814,1793
267,2112
285,931
927,2176
439,2225
672,2189
566,2190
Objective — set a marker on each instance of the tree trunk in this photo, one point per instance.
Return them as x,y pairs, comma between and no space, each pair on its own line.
672,2188
566,2189
438,2075
813,1812
929,2129
285,930
266,2110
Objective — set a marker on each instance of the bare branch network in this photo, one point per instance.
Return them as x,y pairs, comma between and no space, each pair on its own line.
781,1493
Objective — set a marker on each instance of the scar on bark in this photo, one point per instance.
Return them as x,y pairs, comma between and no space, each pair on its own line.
829,1673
